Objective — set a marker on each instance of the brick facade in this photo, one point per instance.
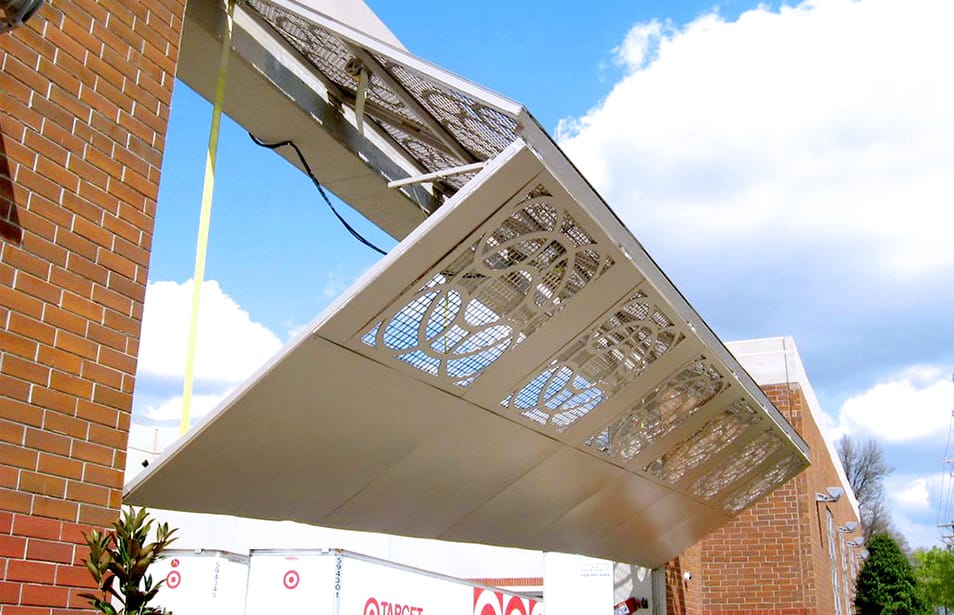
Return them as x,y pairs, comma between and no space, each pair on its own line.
86,87
773,559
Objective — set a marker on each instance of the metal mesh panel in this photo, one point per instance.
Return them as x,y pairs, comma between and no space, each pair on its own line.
757,451
481,130
778,474
713,437
324,50
657,414
430,157
597,365
493,294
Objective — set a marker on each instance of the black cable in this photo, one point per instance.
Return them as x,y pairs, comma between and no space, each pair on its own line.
321,190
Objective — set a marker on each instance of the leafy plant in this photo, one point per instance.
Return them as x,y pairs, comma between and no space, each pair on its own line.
886,584
935,570
119,560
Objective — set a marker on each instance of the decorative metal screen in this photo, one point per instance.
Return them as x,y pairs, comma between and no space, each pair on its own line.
476,128
714,436
597,365
762,484
757,451
479,128
657,414
493,293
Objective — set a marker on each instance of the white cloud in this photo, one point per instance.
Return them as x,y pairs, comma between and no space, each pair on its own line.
171,409
826,125
230,346
913,499
910,405
914,496
920,533
639,46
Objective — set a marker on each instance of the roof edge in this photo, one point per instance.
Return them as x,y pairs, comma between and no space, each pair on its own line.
775,360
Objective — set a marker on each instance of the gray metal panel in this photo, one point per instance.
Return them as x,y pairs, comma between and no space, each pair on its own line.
586,526
468,445
300,440
539,498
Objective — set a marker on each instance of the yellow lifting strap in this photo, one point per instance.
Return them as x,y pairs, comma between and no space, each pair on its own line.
205,217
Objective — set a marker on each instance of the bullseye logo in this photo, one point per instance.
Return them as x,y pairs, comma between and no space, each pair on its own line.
290,580
489,602
371,607
173,579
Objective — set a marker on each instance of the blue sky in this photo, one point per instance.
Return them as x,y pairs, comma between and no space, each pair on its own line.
789,167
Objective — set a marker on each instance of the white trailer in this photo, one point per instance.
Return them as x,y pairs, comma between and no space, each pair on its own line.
338,582
201,582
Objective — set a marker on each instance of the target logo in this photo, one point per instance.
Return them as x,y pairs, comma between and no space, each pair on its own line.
173,579
489,602
375,607
290,580
371,607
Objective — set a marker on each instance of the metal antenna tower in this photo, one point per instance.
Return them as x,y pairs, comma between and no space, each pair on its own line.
945,513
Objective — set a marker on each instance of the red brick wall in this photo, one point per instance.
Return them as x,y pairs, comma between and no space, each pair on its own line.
819,476
684,597
773,558
86,87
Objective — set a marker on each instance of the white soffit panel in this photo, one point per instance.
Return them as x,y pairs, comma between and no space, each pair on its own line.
516,372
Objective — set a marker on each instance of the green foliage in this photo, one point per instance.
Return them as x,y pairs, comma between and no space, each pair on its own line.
935,570
886,584
121,557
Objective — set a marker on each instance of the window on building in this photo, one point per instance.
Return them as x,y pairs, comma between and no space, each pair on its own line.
832,556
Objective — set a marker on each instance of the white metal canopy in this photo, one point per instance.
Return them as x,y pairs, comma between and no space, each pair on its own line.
516,372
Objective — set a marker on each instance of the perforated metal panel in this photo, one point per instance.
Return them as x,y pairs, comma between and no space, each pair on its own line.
763,482
492,292
411,101
670,404
597,365
700,447
733,469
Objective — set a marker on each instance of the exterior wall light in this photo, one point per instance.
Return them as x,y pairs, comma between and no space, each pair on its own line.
16,13
848,528
833,495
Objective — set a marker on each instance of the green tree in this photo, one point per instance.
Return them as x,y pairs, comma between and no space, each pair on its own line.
886,584
935,570
121,557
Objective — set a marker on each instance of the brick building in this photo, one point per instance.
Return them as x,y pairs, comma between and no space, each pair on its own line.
790,553
86,87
